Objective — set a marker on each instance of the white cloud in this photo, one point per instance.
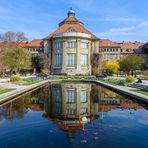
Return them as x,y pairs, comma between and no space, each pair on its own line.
135,32
119,31
112,19
144,23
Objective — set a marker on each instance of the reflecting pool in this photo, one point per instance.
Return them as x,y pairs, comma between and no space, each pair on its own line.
73,115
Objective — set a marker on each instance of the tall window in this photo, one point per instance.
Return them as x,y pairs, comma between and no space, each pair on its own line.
71,30
83,96
57,108
58,59
70,111
71,59
58,95
70,97
84,59
58,45
84,45
109,57
116,57
71,44
83,111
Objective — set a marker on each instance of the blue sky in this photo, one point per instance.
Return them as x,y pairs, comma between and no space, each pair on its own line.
118,20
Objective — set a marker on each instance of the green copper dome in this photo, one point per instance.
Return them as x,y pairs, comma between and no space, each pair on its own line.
71,12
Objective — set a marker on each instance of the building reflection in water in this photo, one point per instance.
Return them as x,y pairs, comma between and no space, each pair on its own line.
69,106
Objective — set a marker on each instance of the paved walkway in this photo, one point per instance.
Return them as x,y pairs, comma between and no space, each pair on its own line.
145,82
4,80
19,90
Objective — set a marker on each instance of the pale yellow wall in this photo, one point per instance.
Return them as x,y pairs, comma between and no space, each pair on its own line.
77,105
78,51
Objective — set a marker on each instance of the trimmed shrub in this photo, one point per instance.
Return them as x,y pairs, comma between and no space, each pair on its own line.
78,77
114,81
15,78
130,79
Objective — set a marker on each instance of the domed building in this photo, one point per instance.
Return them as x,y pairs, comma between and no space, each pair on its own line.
71,47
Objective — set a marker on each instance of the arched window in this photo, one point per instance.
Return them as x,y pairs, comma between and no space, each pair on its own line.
71,30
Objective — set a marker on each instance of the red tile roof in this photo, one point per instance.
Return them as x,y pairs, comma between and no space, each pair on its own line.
71,22
23,44
108,43
131,45
125,45
33,43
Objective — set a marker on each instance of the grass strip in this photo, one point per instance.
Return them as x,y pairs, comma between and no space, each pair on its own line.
5,90
141,92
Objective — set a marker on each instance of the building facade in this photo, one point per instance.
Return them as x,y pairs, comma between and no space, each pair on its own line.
70,47
110,50
73,50
34,46
116,50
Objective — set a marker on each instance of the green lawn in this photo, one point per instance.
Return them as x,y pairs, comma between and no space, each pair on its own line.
5,90
30,81
78,77
141,92
113,81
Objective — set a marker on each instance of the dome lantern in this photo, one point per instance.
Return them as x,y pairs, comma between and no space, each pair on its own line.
71,12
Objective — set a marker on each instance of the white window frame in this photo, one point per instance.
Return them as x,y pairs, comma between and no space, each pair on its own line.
58,45
71,30
84,45
71,44
71,111
84,59
71,97
58,59
71,60
83,96
83,111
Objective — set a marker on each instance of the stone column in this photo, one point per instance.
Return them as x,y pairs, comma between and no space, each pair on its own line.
64,101
64,56
78,56
77,101
53,56
89,56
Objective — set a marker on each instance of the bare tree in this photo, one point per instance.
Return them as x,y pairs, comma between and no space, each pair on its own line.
20,37
13,37
9,40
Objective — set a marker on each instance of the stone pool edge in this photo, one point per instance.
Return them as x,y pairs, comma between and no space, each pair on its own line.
15,93
123,90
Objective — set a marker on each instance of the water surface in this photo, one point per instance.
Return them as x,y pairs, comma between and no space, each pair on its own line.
73,115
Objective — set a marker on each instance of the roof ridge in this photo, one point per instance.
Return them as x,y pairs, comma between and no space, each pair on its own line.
70,19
